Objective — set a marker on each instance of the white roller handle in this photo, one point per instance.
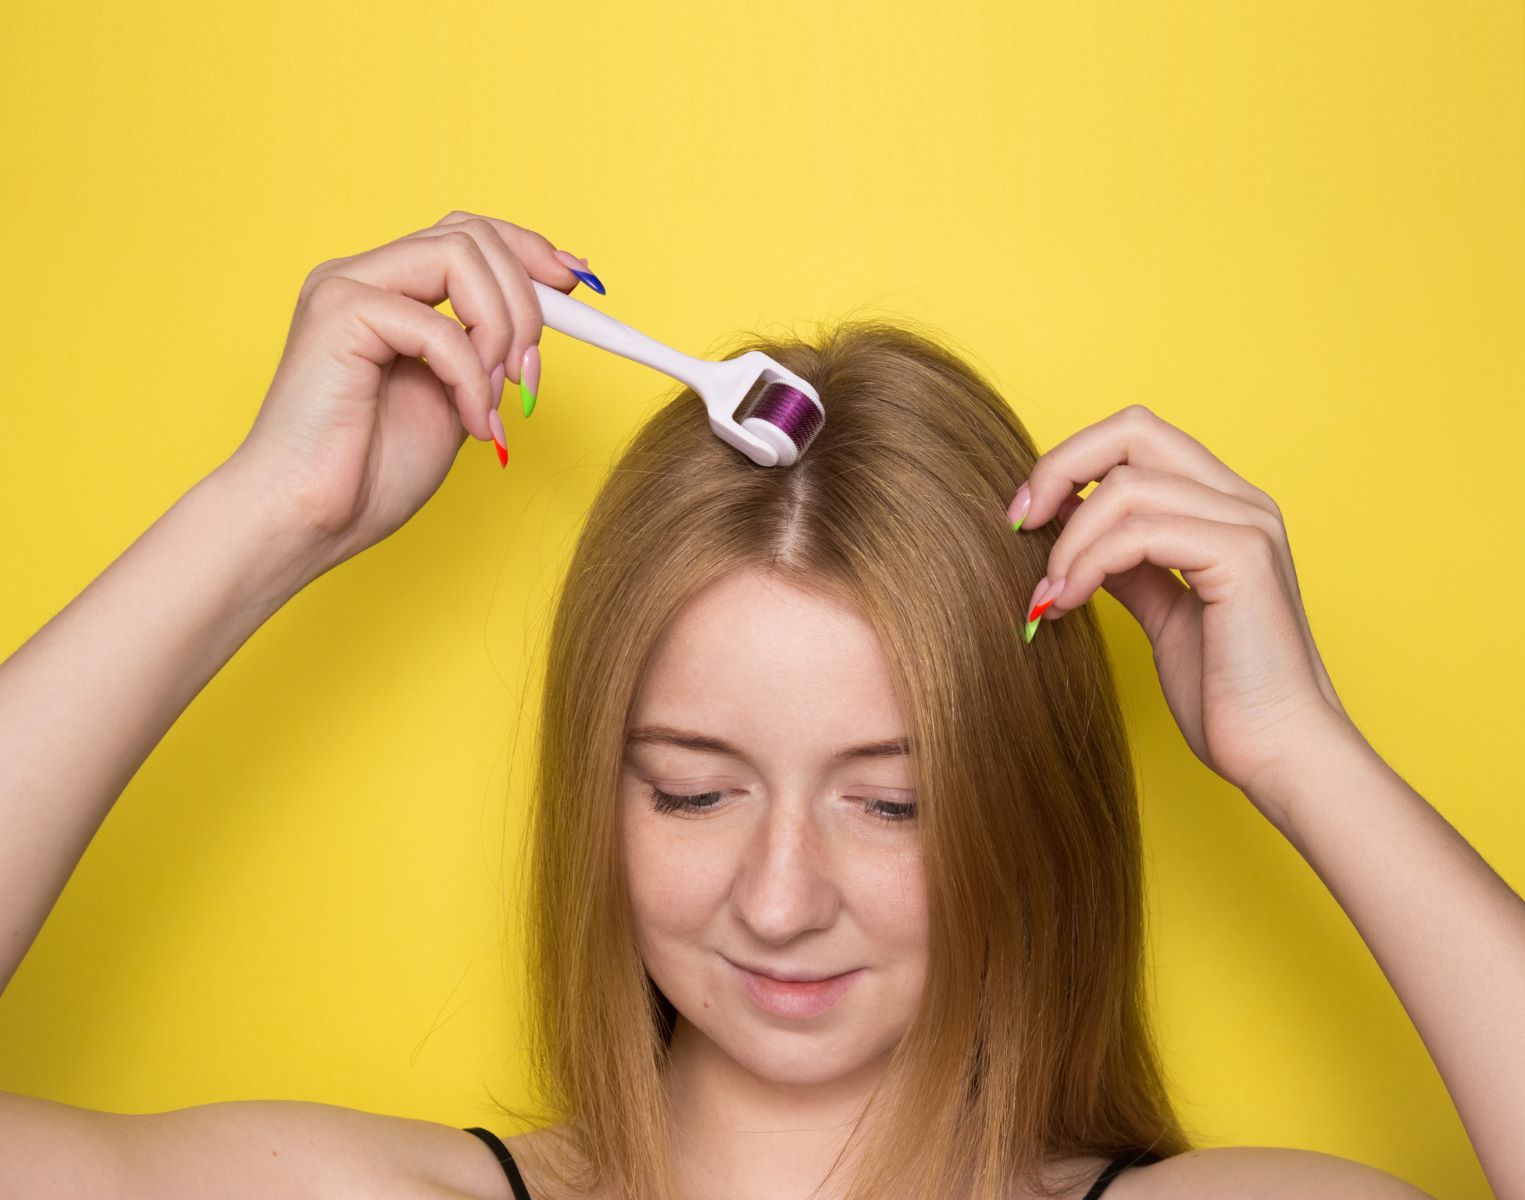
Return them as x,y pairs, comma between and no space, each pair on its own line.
588,324
721,385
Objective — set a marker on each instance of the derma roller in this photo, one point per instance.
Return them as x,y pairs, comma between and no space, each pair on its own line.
777,426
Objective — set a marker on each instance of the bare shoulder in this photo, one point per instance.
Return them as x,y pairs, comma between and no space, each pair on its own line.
442,1162
409,1158
1260,1173
282,1149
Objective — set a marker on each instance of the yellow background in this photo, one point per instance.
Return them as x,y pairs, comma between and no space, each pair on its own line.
1296,230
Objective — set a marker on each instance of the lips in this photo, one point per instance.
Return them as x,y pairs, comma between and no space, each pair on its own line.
790,976
795,998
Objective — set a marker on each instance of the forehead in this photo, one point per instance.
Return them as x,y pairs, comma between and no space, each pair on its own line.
755,659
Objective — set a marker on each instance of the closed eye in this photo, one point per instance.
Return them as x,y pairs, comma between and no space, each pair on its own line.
886,810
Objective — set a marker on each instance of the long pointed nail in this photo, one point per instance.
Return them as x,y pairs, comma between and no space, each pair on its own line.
499,437
1016,511
579,267
529,379
1043,595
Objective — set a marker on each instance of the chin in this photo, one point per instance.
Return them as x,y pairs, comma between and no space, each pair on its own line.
800,1057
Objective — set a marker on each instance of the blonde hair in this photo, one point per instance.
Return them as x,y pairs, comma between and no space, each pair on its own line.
1031,1040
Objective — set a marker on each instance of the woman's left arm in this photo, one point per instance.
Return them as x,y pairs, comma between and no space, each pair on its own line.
1447,931
1248,689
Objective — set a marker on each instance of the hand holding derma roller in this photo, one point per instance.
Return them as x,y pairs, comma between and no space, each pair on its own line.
377,389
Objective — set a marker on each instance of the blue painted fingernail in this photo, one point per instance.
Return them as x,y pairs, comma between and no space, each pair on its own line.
590,279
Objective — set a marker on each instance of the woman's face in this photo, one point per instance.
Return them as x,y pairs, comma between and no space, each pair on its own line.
795,869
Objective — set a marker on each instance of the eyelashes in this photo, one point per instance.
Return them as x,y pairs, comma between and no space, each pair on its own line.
666,802
889,811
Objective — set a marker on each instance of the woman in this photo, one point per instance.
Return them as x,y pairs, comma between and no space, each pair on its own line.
834,755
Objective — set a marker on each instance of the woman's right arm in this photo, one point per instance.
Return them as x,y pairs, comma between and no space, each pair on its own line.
355,434
374,395
91,693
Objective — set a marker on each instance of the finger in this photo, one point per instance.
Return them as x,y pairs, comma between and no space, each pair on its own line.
508,277
1150,592
1146,590
531,255
580,269
1129,488
450,267
540,257
377,325
1216,558
526,319
1132,435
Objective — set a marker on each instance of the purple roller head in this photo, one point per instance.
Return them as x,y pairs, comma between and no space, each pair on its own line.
786,409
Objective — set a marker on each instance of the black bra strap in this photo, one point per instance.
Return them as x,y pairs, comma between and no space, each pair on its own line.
1128,1158
510,1168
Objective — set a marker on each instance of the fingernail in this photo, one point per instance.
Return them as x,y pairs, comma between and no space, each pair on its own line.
1031,628
529,379
1043,595
495,380
1016,511
579,267
499,437
1037,595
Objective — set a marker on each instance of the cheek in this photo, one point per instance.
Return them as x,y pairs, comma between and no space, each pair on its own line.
891,904
678,880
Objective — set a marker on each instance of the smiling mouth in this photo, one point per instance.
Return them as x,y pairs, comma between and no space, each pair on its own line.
788,976
797,998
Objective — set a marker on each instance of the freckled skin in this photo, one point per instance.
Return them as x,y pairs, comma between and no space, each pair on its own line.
791,869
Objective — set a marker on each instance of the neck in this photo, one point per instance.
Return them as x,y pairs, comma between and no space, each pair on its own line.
742,1136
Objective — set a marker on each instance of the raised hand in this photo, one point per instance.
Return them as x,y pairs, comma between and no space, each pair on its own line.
358,430
1232,645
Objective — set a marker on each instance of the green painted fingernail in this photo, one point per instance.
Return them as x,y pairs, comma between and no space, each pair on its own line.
529,378
1032,626
1020,504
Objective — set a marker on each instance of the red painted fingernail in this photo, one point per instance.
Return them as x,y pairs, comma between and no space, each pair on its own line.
495,422
1038,593
1047,593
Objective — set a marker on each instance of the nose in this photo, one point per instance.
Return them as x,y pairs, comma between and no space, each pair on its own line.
784,885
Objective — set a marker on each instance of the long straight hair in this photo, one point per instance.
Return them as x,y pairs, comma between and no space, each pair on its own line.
1031,1041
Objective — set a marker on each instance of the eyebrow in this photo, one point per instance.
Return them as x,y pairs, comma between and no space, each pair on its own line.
666,735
